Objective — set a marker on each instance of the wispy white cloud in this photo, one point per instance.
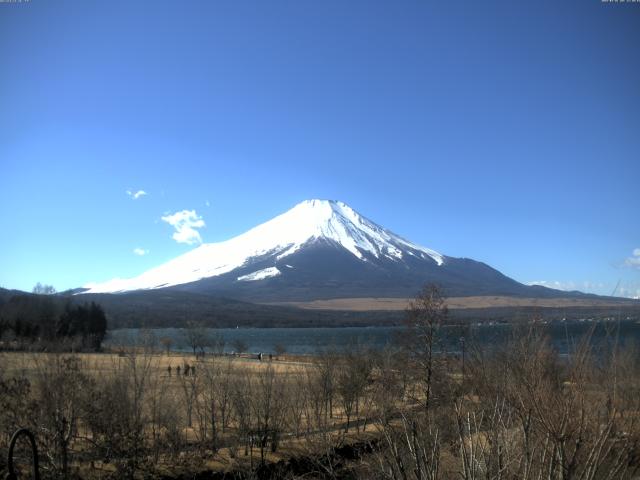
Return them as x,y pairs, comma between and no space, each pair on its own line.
140,251
629,291
567,286
185,223
136,195
207,203
634,260
626,289
593,287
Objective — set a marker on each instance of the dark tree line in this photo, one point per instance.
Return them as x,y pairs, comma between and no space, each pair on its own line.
86,321
26,318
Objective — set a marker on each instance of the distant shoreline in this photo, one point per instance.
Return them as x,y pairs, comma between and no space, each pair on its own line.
308,341
455,303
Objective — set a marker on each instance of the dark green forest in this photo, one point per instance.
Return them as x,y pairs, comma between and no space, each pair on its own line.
48,320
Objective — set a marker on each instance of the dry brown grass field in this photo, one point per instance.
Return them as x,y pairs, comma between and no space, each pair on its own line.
28,363
241,379
400,304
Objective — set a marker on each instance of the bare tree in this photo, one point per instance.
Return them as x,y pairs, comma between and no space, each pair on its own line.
217,343
411,449
42,289
326,364
352,378
239,345
190,389
59,383
166,343
223,398
212,405
17,408
147,341
268,405
163,415
241,402
279,349
116,411
208,404
197,337
538,417
298,400
424,318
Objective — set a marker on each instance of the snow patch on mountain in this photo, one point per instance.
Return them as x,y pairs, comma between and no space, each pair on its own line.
280,237
260,275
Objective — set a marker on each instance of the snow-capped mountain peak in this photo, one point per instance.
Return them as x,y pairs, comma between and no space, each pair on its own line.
284,235
337,221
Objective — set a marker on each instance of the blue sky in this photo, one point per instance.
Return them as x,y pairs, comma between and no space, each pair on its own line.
507,132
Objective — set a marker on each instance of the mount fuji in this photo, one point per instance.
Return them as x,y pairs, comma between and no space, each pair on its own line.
320,249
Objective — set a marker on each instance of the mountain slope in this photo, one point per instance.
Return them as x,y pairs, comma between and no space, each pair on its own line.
320,250
275,240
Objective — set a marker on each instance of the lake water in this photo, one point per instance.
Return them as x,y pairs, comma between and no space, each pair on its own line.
563,336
